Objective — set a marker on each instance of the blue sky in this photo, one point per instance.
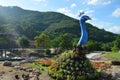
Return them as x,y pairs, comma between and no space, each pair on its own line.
105,14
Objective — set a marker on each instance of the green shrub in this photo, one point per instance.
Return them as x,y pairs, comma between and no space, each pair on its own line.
47,51
72,66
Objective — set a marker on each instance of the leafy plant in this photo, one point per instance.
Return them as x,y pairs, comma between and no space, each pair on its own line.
47,51
75,68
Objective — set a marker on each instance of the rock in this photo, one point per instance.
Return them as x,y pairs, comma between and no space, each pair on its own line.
10,70
16,67
17,77
115,62
7,63
23,68
104,75
36,72
29,70
25,77
1,73
116,76
116,72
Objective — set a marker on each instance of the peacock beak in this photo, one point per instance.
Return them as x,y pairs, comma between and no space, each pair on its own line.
89,18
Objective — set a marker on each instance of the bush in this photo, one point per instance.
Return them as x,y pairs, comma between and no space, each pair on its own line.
59,51
47,51
72,66
115,49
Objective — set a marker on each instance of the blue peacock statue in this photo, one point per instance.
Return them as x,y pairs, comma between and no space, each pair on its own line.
84,33
73,64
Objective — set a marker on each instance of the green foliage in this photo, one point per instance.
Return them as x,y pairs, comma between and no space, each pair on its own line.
23,41
47,51
59,51
55,42
115,49
75,41
106,46
42,40
72,66
32,23
93,45
4,40
65,41
116,44
7,42
113,55
117,41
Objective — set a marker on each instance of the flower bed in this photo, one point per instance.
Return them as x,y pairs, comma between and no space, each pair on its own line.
44,62
100,65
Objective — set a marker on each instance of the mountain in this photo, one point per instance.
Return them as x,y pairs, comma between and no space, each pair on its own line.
15,20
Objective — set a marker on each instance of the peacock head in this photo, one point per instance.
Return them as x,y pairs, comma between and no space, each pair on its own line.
85,18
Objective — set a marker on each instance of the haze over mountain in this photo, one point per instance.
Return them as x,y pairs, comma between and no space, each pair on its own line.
15,20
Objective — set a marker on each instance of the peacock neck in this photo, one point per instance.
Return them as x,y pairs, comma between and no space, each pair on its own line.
82,25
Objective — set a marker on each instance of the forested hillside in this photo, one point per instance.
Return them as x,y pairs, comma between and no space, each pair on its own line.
17,21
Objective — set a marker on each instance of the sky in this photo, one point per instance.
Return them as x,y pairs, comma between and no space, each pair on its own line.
105,14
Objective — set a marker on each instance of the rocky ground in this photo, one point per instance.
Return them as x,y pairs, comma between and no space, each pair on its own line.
8,73
113,71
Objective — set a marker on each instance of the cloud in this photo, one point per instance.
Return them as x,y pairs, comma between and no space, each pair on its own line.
73,5
66,11
7,2
89,12
116,12
98,2
107,3
93,2
100,24
114,29
106,25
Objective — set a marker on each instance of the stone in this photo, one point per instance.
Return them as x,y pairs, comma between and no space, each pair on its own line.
115,62
36,72
7,63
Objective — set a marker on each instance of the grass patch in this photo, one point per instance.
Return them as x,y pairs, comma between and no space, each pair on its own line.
113,55
33,65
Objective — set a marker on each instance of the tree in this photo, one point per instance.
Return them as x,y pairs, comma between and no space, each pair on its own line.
42,40
55,42
117,41
116,44
114,48
65,41
23,41
106,46
92,46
